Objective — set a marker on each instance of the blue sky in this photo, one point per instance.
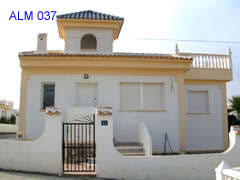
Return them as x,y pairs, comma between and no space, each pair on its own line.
145,23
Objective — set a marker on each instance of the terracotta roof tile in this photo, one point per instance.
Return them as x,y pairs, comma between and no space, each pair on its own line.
115,54
89,15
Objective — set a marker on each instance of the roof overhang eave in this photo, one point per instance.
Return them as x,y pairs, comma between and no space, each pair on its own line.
63,23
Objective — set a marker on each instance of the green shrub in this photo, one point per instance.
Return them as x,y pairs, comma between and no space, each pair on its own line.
12,120
232,121
3,120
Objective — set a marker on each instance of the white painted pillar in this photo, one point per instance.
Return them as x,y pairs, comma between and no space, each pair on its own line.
53,114
104,138
104,126
230,57
176,49
52,136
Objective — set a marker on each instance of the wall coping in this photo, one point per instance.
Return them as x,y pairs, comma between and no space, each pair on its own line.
53,111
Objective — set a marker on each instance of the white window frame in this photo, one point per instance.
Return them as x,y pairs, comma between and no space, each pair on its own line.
141,108
41,100
86,49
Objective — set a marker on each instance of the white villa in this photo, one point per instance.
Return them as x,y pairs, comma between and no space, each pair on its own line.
181,95
6,109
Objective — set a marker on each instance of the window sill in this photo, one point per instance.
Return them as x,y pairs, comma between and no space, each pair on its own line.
93,50
196,113
142,110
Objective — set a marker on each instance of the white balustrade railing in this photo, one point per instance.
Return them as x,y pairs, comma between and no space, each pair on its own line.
225,172
210,61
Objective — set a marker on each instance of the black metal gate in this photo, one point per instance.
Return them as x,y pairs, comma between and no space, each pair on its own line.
79,148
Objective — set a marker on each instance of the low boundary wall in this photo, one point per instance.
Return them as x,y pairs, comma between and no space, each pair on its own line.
43,155
224,171
111,164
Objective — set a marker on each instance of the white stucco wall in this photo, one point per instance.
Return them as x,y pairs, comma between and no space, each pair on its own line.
205,131
108,94
78,113
111,164
41,155
104,39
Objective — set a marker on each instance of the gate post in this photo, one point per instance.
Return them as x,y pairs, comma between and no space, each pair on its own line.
104,126
53,128
104,137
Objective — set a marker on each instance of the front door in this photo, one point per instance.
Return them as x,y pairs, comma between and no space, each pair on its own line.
86,94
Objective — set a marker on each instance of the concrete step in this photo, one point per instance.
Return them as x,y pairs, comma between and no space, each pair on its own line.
127,144
130,148
134,154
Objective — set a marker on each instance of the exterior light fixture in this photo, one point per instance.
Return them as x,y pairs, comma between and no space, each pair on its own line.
86,76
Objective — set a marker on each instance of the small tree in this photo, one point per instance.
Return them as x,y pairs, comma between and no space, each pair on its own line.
232,121
235,103
234,112
12,119
3,120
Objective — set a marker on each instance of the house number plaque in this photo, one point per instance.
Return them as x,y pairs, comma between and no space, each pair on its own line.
104,122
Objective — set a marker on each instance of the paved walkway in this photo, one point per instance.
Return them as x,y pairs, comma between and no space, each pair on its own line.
8,175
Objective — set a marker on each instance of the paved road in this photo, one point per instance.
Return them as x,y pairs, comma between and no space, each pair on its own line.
7,135
8,131
8,175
